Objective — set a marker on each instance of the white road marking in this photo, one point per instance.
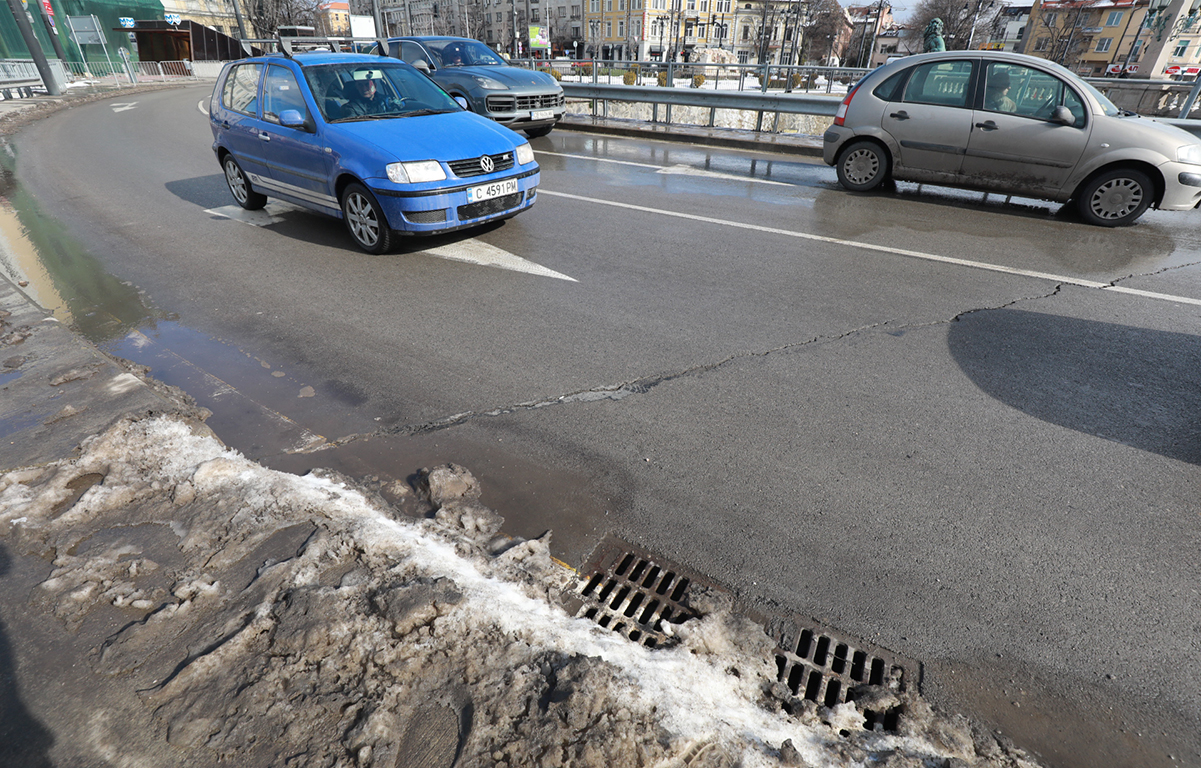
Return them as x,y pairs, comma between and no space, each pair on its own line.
880,248
475,251
471,251
203,109
671,170
123,106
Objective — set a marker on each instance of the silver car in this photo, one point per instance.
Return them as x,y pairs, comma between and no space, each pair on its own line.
1019,125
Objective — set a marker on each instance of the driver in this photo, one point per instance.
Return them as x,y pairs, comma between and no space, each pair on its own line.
453,56
365,98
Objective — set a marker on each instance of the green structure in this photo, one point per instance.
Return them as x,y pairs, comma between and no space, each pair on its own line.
109,12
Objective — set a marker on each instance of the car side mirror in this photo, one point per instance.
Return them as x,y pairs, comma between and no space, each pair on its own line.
1063,116
463,103
291,118
422,65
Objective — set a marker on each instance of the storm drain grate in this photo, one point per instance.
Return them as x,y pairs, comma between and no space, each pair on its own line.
824,666
631,591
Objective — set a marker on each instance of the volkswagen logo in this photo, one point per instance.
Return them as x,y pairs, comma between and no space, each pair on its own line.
486,164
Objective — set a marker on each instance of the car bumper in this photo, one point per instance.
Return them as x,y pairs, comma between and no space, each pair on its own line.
525,110
1182,186
832,140
423,213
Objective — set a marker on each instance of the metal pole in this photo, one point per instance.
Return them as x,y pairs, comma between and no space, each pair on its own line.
52,31
241,24
35,48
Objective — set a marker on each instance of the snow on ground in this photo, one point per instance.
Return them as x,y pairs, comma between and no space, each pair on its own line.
270,619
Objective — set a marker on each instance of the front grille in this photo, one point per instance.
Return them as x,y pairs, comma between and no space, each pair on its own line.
486,207
507,102
541,101
426,217
465,169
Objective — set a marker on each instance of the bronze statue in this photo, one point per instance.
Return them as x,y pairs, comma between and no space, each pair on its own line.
933,38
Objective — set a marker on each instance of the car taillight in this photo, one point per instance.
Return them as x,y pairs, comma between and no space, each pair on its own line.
841,114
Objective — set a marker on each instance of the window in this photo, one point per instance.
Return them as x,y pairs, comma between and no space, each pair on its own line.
594,6
242,89
608,29
608,5
281,92
621,5
691,5
638,28
744,57
1103,44
1028,93
1136,50
1181,49
746,35
489,34
562,11
1041,44
939,82
1050,19
1114,19
621,28
723,6
705,6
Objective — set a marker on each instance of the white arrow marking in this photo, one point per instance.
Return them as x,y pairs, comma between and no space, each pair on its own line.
477,252
124,106
203,109
471,251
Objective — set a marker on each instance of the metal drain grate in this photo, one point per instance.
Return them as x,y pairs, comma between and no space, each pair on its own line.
823,666
633,592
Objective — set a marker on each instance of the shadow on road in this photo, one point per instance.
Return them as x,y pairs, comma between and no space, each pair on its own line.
1131,385
24,742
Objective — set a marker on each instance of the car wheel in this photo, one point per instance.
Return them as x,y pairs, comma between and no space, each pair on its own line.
862,166
365,220
240,187
1115,198
534,133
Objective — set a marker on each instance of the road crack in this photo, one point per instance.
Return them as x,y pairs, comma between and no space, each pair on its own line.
641,386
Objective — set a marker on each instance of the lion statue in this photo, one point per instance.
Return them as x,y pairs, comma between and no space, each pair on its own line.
933,37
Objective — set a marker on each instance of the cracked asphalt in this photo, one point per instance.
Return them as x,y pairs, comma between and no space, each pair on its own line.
960,427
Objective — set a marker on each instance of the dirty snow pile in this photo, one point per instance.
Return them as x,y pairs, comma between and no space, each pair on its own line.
269,619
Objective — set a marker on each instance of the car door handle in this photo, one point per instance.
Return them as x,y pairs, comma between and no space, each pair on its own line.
987,125
902,115
265,136
225,124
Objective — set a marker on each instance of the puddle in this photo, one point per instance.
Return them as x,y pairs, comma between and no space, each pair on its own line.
271,411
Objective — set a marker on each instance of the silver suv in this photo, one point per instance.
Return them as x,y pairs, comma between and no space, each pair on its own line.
1019,125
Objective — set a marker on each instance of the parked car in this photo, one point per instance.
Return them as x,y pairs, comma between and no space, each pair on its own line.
367,139
1015,124
523,99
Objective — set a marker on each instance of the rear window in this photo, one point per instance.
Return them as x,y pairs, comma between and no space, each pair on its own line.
242,89
940,82
887,90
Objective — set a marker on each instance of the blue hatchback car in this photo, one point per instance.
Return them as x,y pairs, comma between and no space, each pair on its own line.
368,139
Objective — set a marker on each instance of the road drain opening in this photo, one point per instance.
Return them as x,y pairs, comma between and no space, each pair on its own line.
634,592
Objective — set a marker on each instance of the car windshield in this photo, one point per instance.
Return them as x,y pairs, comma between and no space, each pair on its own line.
463,53
375,91
1107,106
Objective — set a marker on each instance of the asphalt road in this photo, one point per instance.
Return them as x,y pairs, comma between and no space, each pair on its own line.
962,428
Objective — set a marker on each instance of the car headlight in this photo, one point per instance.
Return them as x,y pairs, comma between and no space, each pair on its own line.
488,83
525,154
1189,153
415,173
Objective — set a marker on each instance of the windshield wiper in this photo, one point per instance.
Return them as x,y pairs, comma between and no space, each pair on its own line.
420,112
361,118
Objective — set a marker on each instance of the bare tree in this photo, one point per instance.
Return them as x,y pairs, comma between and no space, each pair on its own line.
958,20
269,15
823,31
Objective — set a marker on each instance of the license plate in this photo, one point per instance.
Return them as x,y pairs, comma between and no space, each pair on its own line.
542,114
489,191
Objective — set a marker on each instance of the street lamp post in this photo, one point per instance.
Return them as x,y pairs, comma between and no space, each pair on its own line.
1153,11
971,35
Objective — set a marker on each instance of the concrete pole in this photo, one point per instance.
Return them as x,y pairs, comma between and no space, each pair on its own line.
35,48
